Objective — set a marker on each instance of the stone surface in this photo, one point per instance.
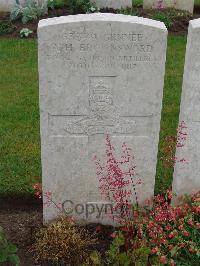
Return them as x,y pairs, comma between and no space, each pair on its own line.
186,175
6,5
99,74
186,5
116,4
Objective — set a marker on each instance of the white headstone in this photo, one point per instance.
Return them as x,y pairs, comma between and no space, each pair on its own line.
115,4
187,175
7,5
99,74
185,5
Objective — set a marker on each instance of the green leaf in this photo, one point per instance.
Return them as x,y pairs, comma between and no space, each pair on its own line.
119,240
3,255
2,238
174,250
14,259
11,248
95,258
124,259
2,234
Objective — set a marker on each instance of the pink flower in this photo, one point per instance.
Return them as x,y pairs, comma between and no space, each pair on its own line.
172,263
190,222
168,227
38,195
37,186
113,235
181,227
163,259
197,225
185,233
191,250
98,229
172,234
154,250
169,194
182,245
163,241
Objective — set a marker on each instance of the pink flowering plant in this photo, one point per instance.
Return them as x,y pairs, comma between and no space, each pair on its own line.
162,235
172,142
155,234
168,159
47,198
118,180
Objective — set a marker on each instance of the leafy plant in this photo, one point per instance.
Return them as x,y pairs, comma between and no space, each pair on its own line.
30,10
169,16
137,3
7,250
115,256
141,256
80,6
94,259
163,17
128,11
51,4
62,242
118,255
60,3
6,27
25,32
162,235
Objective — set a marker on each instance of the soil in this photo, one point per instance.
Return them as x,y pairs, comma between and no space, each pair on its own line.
21,220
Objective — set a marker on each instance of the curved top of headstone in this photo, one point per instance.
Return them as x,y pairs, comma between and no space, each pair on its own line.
195,23
102,17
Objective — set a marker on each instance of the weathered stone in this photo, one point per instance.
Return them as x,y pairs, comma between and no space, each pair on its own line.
115,4
186,173
99,74
7,5
185,5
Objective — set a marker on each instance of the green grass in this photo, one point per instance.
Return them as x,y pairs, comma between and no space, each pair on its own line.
19,113
171,104
19,117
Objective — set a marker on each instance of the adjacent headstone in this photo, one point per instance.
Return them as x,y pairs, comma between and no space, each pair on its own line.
99,74
185,5
7,5
115,4
187,175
